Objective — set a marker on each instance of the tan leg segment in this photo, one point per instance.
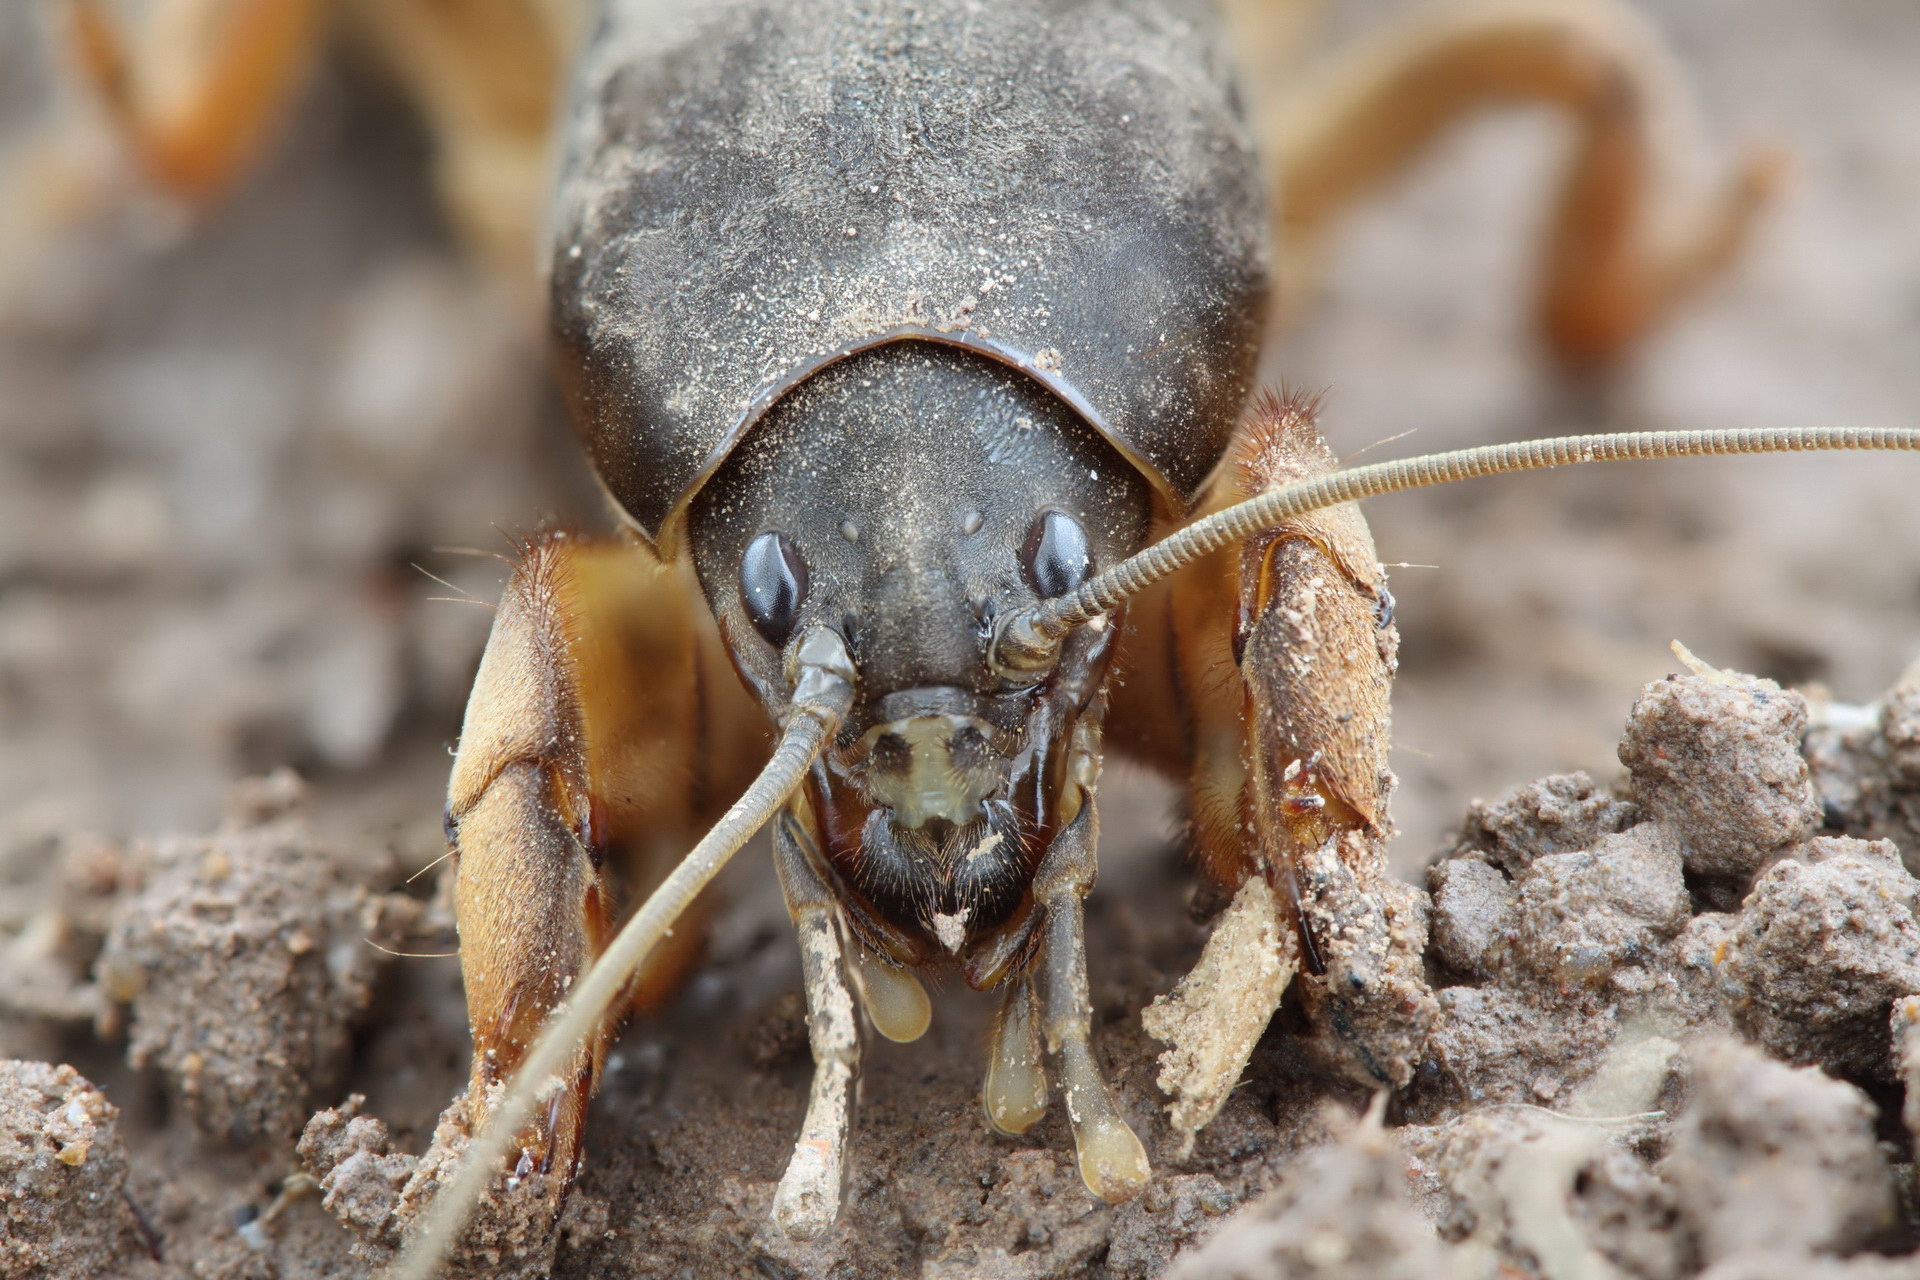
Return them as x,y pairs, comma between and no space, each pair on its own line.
1632,234
205,86
200,89
583,734
1285,651
808,1198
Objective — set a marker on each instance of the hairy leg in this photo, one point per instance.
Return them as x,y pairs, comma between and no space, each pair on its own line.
595,746
1279,653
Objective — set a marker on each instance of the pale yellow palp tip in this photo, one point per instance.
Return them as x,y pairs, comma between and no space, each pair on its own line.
1113,1162
895,1002
1015,1092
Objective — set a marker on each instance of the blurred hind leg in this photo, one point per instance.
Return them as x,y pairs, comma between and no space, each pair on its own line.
199,91
1631,235
198,94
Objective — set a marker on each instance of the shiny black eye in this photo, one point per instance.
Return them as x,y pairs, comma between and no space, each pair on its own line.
1056,558
773,582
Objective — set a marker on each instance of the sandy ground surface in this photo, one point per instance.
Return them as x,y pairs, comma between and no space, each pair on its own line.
224,448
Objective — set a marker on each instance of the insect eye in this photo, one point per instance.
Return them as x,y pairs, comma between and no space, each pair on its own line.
1056,558
773,583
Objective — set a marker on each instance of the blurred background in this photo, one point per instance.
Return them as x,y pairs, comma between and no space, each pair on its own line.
238,450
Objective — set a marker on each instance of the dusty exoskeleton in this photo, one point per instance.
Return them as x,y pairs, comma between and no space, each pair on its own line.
896,332
884,326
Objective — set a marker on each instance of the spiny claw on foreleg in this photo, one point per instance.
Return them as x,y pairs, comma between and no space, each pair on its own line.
1287,654
1317,662
522,949
552,1143
1316,651
578,735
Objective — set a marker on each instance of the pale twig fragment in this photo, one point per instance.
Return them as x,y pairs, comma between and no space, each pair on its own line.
808,1198
1212,1020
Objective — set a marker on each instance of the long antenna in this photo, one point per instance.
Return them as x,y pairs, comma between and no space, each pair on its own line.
823,692
1027,641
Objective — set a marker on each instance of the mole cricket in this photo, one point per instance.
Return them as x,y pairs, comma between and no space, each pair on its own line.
914,347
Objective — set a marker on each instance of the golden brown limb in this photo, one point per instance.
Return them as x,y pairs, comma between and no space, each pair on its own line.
1284,651
201,89
823,689
485,74
1631,235
582,758
197,109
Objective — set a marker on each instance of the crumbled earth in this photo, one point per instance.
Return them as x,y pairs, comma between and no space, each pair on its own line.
1341,1211
1722,775
1822,950
1808,964
244,960
1771,1160
1866,762
63,1177
225,443
379,1194
1604,1075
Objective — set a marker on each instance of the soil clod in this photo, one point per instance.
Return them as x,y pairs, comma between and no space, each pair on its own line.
244,959
63,1177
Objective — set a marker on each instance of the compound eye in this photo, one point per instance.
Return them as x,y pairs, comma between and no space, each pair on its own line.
773,583
1056,558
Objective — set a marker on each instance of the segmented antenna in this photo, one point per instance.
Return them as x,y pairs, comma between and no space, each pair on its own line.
823,693
1028,641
